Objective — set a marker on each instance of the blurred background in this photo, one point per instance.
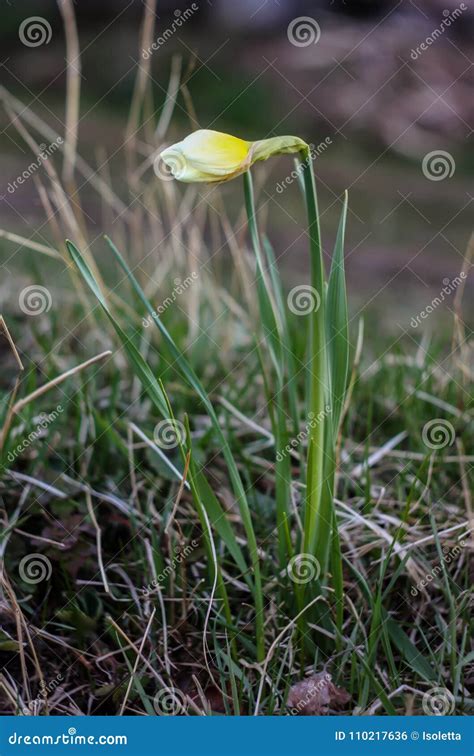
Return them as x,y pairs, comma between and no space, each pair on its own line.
376,86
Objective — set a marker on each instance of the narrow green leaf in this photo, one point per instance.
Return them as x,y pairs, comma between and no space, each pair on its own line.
269,316
317,368
143,371
287,351
337,327
337,575
218,517
412,656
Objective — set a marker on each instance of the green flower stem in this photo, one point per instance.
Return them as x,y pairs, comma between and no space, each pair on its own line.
325,511
271,324
318,368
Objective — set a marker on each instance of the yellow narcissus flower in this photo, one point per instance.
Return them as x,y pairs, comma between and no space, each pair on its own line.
209,156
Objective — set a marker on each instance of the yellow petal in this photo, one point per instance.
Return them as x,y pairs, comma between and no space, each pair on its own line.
207,155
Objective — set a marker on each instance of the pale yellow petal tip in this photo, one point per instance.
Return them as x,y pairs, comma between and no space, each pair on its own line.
210,156
265,148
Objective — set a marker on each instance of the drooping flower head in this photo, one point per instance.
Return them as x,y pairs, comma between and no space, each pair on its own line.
210,156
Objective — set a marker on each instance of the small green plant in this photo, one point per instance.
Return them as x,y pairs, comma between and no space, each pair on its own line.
212,156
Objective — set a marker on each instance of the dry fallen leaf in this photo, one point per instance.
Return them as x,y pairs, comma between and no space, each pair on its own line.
316,695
